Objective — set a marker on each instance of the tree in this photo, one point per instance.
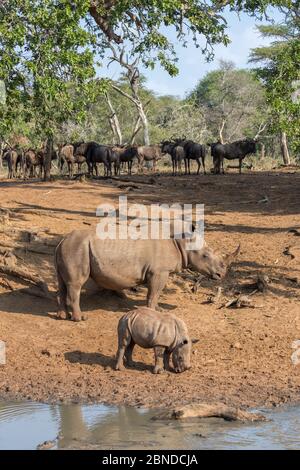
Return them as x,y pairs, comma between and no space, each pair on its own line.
140,25
280,75
43,61
232,102
48,48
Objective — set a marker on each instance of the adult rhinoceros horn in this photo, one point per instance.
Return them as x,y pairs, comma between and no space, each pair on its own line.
232,256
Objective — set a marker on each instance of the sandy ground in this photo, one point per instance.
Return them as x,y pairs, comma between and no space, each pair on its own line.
243,356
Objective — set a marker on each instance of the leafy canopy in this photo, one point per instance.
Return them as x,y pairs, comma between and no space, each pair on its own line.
278,67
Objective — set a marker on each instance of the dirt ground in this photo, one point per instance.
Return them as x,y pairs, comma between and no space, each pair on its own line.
243,356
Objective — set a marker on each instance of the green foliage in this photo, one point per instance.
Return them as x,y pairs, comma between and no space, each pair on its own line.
44,60
48,50
280,73
232,102
142,25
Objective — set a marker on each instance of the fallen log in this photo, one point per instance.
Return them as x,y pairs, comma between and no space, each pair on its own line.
25,276
209,410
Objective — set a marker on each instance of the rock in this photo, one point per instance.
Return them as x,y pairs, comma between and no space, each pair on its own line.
236,346
49,352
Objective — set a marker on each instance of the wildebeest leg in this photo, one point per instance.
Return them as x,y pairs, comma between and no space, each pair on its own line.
73,296
156,283
124,340
159,359
167,355
185,166
199,164
154,165
222,164
128,353
203,164
62,312
240,165
189,165
173,166
70,165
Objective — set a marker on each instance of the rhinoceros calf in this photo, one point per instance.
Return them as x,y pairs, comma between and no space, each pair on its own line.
123,264
163,332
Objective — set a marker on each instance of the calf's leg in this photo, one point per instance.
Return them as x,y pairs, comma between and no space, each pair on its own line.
167,355
159,359
124,340
128,353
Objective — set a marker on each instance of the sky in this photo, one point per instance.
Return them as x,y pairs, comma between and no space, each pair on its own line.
192,64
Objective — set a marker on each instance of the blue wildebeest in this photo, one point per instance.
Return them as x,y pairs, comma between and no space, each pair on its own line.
148,153
239,149
95,153
68,154
126,153
177,153
193,151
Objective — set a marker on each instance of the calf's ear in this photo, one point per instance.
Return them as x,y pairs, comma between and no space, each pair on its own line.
194,340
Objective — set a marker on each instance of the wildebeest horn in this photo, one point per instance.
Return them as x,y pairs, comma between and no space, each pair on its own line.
231,256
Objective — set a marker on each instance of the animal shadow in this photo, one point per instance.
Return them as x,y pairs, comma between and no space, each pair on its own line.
79,357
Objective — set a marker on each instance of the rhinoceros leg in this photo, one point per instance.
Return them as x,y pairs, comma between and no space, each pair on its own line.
128,353
167,355
156,283
62,312
73,297
124,340
159,360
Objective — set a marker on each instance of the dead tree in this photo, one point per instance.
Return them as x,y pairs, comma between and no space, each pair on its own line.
114,122
133,76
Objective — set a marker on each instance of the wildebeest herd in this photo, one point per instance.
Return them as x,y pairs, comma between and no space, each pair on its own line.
28,163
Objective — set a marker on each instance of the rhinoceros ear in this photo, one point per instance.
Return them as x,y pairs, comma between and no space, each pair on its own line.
194,340
232,256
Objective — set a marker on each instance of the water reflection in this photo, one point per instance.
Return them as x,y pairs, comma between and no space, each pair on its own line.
25,425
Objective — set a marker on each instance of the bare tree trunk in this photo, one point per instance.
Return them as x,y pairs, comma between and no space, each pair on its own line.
133,75
145,123
113,129
137,128
284,149
114,122
48,158
221,131
1,154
